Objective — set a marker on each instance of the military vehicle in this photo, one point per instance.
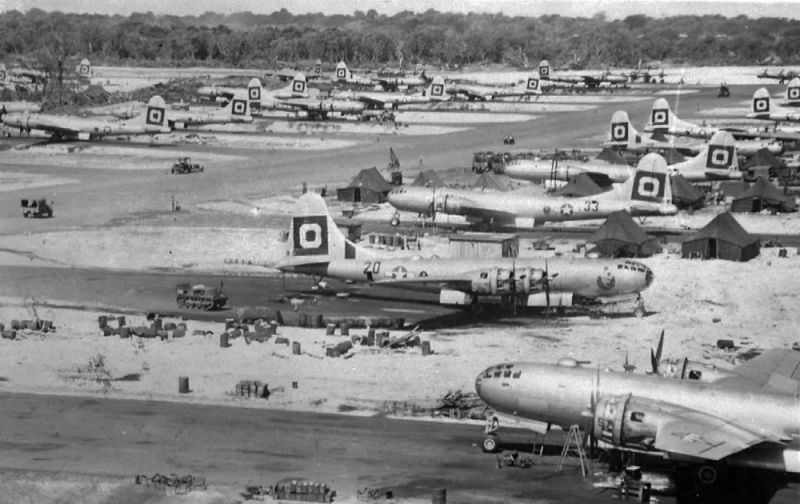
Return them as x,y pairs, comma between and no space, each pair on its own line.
200,297
37,208
183,165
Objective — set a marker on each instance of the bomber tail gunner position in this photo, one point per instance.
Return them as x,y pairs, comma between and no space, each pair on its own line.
319,248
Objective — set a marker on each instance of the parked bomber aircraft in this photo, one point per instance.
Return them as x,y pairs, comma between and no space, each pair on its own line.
541,170
716,160
151,122
394,83
781,76
319,248
622,135
484,93
762,108
436,92
237,111
748,418
648,192
663,121
792,93
343,75
591,81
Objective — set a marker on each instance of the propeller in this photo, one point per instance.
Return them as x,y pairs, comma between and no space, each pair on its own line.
546,284
628,367
655,358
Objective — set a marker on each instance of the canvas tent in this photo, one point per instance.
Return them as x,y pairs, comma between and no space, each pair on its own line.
610,156
428,178
684,194
368,186
489,180
722,238
620,236
763,195
581,185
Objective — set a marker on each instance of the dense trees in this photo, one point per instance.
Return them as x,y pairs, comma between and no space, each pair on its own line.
370,38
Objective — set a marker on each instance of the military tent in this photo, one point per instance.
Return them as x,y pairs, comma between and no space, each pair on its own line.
672,156
684,194
610,156
763,158
428,178
733,187
579,186
368,186
620,236
722,238
763,195
491,181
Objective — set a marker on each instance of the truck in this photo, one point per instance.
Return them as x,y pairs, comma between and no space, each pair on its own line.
182,165
37,208
200,297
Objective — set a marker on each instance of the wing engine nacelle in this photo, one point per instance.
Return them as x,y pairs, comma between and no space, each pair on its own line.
627,422
501,281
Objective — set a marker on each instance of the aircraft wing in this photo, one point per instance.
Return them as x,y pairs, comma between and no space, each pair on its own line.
776,370
460,282
694,434
373,101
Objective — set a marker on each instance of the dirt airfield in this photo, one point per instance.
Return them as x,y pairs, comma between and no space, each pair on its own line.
113,213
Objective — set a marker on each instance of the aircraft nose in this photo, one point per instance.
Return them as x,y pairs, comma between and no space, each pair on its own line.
648,277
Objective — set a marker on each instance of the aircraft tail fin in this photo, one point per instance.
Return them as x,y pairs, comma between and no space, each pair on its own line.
544,70
436,91
254,92
318,67
155,114
84,69
315,237
661,117
239,106
621,132
299,86
341,71
721,153
760,106
3,72
793,93
533,85
650,181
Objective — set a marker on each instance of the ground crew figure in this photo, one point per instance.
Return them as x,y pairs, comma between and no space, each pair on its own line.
492,425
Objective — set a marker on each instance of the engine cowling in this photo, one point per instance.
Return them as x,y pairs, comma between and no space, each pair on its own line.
492,282
500,281
627,422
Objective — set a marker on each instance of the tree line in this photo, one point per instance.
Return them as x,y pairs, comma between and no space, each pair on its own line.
372,39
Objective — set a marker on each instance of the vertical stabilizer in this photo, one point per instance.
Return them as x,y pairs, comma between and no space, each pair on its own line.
544,70
760,106
650,181
793,93
533,85
341,71
155,113
239,107
436,91
84,69
254,92
316,237
621,132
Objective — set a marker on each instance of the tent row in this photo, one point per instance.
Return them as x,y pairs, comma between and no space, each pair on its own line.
722,238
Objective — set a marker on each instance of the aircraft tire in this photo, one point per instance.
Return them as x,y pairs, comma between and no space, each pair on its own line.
395,221
490,445
639,312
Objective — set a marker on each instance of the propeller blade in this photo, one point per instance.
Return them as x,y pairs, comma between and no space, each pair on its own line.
660,346
653,362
